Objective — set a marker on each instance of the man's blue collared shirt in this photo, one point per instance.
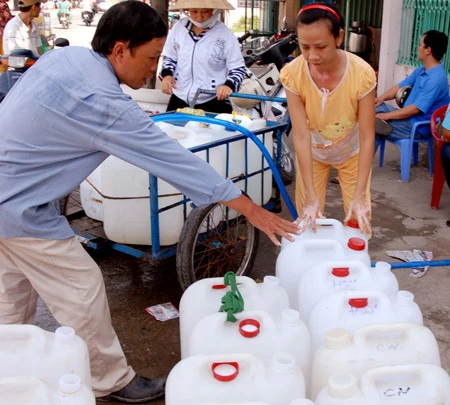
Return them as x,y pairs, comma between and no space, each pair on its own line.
60,121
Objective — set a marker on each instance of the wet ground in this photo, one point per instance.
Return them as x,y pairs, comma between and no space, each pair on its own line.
402,220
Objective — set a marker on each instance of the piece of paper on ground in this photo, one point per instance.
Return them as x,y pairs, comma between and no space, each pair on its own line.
415,255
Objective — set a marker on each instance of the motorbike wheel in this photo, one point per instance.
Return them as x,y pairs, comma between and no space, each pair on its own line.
287,169
214,240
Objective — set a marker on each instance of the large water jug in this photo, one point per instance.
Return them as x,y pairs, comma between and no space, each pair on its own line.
372,346
352,309
235,378
204,297
330,228
91,199
27,350
126,188
294,259
33,391
254,332
301,401
412,384
326,278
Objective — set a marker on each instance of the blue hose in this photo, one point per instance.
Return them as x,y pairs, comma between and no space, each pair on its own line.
407,265
168,117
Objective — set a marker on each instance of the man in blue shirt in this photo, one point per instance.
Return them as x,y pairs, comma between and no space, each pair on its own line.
429,90
65,116
445,151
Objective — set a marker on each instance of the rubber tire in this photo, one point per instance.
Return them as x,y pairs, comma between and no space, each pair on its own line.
219,260
287,170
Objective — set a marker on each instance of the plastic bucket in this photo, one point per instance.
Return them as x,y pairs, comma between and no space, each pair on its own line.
372,346
27,350
33,391
203,298
353,309
234,378
327,278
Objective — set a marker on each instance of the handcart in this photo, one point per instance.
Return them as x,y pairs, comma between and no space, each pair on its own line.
214,239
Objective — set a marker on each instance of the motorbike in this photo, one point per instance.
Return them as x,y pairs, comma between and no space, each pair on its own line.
87,16
64,20
268,83
18,62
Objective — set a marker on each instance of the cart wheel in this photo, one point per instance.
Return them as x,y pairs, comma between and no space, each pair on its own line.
287,170
214,240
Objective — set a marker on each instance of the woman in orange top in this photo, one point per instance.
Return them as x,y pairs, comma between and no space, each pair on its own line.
330,96
5,16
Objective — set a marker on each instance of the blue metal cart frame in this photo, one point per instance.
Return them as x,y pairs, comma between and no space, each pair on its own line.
156,252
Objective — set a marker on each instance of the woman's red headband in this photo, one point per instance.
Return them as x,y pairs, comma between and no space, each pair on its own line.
320,7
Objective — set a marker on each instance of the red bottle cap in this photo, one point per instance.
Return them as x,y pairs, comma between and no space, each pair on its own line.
218,286
251,332
340,271
221,373
358,302
356,244
353,223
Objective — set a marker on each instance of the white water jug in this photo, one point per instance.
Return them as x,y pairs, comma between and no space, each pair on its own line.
245,157
301,401
91,199
204,297
33,391
126,189
254,332
326,278
294,259
234,378
330,228
27,350
412,384
352,309
372,346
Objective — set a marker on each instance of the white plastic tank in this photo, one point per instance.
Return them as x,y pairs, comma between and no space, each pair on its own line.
259,190
203,298
126,189
28,390
254,332
27,350
91,199
327,278
294,259
412,384
352,309
372,346
235,378
330,228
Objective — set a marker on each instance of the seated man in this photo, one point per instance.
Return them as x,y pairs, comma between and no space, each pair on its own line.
22,32
445,151
429,90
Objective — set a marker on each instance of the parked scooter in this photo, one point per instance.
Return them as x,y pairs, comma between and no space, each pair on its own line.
18,62
87,16
267,83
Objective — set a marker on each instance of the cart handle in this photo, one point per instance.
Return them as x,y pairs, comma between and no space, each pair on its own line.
167,117
242,95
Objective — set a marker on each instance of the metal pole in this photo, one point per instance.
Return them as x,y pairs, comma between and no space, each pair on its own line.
347,23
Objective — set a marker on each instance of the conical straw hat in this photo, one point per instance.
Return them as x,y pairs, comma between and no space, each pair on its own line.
215,4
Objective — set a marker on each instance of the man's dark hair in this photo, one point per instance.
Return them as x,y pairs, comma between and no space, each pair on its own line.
438,43
25,9
130,21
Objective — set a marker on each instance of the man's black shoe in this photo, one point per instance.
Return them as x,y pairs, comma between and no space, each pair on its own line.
138,391
382,127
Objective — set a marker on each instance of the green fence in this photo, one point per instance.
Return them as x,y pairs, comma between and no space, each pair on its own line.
418,17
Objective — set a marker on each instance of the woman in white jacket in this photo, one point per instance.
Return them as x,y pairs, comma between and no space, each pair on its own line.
201,52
